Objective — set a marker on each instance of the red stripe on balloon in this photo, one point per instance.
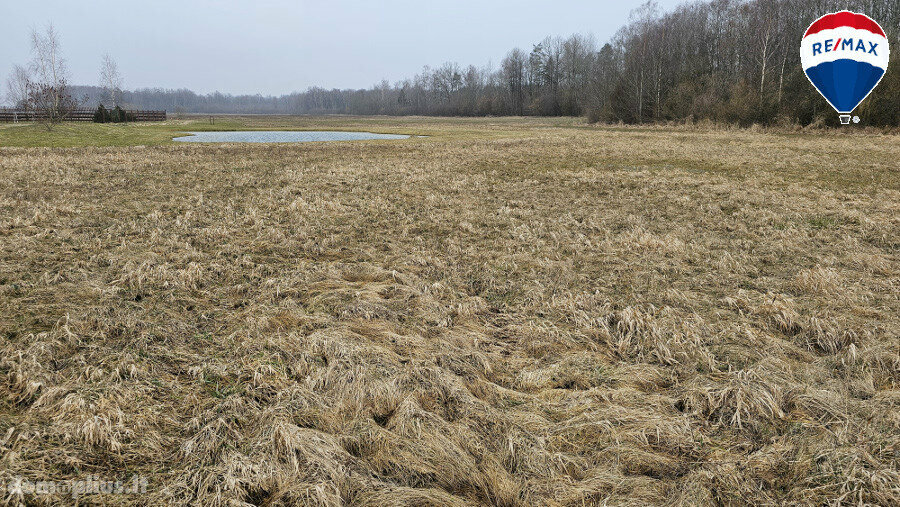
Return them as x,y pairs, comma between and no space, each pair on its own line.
845,18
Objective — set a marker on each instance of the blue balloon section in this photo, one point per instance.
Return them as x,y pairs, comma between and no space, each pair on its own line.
845,83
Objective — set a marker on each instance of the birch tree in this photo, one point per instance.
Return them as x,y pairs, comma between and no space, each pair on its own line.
48,65
48,92
110,79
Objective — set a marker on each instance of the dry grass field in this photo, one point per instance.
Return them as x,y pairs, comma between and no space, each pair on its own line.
508,312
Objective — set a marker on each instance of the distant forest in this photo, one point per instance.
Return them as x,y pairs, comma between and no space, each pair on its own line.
734,61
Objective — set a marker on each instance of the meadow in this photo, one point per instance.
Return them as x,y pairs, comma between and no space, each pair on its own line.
507,312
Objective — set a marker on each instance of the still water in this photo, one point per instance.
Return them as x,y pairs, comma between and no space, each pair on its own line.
281,136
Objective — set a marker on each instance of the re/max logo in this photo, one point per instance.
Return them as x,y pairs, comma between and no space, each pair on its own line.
844,45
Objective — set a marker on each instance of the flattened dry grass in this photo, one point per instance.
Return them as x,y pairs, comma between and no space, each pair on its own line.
510,312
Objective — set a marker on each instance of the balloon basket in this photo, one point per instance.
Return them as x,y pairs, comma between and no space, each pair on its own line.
845,119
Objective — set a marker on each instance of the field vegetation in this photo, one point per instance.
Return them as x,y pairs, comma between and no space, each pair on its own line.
507,312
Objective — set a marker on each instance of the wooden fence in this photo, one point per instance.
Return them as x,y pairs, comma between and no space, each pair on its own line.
13,115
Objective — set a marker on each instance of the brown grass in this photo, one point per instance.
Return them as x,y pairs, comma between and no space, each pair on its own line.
510,312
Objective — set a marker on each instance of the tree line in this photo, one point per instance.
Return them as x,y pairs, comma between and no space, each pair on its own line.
733,61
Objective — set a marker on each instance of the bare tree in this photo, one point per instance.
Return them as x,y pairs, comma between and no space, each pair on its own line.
110,79
48,66
47,93
513,70
17,87
638,36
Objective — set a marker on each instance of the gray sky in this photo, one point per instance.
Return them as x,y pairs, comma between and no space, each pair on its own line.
280,46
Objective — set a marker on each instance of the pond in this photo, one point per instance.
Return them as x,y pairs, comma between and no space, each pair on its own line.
281,136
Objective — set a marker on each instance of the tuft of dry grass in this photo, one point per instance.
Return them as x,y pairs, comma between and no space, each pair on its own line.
509,312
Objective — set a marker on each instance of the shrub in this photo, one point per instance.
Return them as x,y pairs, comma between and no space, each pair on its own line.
101,115
119,115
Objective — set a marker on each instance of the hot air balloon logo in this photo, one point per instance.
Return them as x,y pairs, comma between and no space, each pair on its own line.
845,55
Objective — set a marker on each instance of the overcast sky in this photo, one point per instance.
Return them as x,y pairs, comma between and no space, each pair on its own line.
280,46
